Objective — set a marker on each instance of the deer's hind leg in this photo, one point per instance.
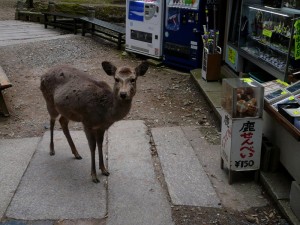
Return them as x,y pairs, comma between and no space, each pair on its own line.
90,135
53,115
64,125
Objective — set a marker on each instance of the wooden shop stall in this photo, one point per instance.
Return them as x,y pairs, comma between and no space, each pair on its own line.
264,37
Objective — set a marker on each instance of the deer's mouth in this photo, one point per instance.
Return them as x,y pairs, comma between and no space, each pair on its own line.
124,97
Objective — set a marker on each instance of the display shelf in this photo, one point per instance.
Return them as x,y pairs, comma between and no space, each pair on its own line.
267,39
276,48
278,64
276,95
283,121
262,64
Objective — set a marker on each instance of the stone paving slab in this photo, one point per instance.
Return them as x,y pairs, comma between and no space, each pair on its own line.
187,182
59,187
15,157
278,183
243,194
17,32
135,196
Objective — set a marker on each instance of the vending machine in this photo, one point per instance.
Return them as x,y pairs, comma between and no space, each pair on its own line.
183,30
144,26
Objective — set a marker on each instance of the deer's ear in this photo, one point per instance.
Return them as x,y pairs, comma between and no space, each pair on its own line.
109,68
141,69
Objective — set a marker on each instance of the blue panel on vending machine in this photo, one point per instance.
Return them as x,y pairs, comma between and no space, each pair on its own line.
136,11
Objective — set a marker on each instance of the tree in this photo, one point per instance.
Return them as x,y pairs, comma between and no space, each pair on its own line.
29,3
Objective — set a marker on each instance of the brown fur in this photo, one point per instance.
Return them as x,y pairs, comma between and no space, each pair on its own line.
75,96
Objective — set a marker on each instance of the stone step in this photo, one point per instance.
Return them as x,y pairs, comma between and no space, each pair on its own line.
17,23
15,157
244,193
24,41
135,195
17,32
59,187
187,181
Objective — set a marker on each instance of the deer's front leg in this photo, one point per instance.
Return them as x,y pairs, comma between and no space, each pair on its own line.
99,139
52,123
90,134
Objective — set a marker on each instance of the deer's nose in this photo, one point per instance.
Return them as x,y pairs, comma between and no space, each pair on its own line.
123,95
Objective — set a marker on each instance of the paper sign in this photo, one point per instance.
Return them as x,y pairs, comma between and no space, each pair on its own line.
296,112
282,82
297,47
231,55
284,92
267,33
247,80
297,27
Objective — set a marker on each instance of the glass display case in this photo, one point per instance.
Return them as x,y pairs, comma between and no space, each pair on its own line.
268,39
293,4
242,97
233,26
232,58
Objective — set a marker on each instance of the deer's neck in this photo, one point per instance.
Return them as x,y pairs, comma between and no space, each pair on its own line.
120,109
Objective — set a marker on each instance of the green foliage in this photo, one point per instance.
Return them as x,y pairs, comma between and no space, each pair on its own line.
71,8
86,1
107,10
94,1
111,13
39,7
29,3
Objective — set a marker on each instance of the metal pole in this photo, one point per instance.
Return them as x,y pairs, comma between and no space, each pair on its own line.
215,35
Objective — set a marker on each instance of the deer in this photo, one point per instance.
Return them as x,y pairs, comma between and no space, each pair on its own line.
74,96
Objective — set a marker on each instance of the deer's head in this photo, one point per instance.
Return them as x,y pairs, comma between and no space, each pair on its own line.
125,78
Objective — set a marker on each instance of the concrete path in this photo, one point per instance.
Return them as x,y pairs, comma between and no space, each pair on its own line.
243,194
59,187
187,182
15,157
135,196
17,32
56,187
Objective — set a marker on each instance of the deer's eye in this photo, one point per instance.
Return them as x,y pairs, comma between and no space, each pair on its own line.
132,80
117,80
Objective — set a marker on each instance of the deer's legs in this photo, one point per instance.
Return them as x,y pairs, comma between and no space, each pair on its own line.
64,125
90,135
52,123
53,115
99,139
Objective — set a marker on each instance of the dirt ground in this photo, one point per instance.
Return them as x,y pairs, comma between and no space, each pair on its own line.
164,98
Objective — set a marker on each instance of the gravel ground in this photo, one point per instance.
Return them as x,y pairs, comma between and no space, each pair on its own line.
7,11
164,98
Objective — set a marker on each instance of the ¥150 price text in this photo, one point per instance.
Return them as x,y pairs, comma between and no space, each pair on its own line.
244,164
